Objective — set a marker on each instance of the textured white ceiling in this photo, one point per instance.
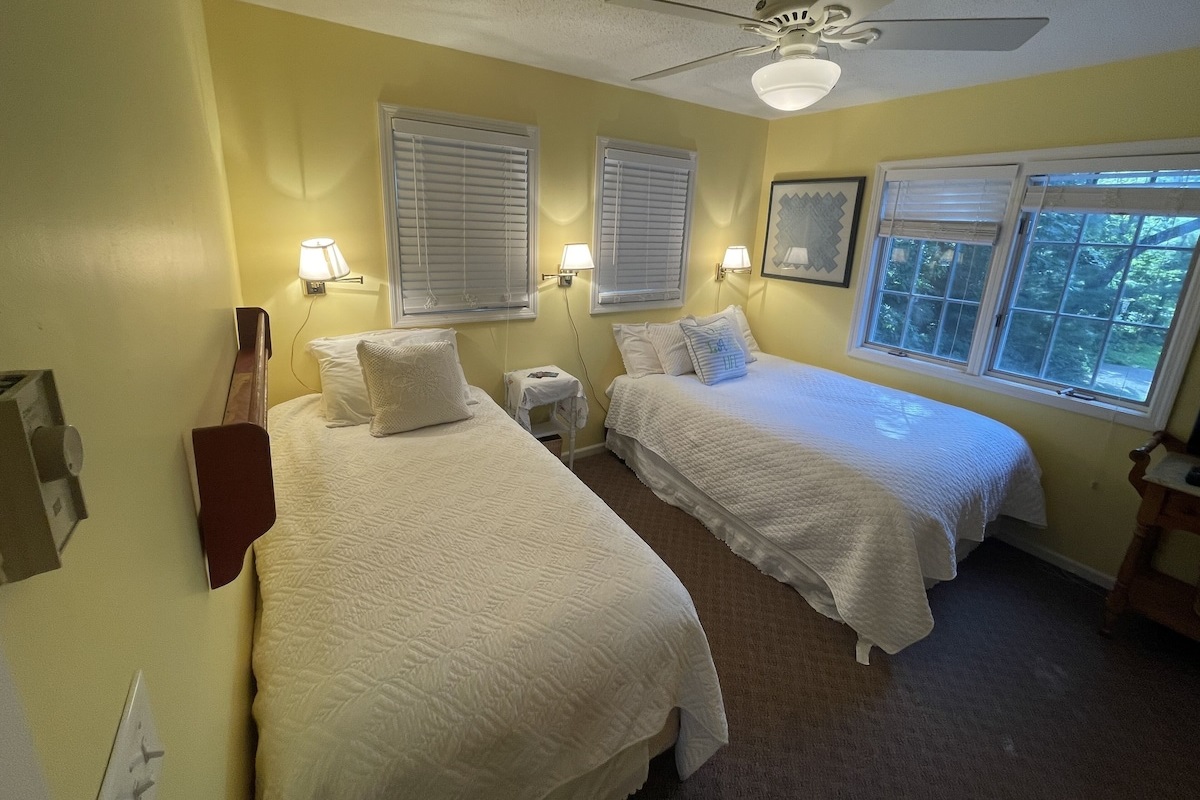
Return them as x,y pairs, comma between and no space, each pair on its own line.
608,43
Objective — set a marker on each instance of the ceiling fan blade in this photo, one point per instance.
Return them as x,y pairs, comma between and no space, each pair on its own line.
685,10
700,62
947,34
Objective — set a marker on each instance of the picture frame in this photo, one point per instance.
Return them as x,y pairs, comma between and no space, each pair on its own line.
812,227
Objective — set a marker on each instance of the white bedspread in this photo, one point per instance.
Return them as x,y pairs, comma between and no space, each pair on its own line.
867,486
451,613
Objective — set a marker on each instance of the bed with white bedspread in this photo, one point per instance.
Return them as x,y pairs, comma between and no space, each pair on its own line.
856,494
450,613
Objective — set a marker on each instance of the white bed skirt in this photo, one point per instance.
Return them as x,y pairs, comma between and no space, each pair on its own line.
671,487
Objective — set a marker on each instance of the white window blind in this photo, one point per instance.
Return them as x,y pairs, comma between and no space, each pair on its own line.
1166,194
463,209
644,210
963,205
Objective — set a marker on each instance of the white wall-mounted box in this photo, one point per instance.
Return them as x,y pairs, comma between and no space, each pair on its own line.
41,500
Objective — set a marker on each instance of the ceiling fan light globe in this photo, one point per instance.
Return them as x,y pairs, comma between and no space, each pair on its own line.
795,83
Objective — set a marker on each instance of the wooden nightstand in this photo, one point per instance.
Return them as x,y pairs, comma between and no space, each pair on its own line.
1168,503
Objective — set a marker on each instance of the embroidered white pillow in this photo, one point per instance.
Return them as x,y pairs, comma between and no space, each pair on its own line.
714,349
736,318
637,351
343,393
411,386
672,351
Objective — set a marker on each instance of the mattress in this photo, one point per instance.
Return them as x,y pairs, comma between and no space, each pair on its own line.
871,491
451,613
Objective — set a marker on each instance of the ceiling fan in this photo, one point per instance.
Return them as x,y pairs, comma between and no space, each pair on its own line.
798,29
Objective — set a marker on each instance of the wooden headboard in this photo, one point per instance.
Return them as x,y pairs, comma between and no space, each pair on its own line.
233,460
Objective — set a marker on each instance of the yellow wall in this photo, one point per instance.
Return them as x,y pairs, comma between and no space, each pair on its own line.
1091,506
118,272
298,106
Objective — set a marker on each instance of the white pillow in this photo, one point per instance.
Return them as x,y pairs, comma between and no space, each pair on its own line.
343,393
736,319
667,338
744,326
412,386
637,351
715,349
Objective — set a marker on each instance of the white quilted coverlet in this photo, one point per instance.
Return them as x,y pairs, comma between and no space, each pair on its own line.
869,487
451,613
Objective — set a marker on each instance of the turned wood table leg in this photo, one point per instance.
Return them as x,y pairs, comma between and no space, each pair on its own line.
1145,537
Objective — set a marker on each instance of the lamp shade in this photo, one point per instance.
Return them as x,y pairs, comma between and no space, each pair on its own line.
576,258
736,257
796,256
795,83
320,260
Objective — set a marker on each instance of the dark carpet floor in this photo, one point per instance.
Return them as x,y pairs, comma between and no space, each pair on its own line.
1014,694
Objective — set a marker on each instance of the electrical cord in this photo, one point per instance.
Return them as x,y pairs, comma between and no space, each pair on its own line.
579,352
292,361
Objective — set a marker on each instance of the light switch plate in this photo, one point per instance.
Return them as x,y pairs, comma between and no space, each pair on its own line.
135,765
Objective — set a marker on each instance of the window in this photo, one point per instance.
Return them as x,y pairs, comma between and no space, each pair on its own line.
643,213
461,198
938,232
1066,282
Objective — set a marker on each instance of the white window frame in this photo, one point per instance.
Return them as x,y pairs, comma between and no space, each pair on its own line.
977,371
651,152
505,132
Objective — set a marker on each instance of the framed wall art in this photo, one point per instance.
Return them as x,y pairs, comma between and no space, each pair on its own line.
811,230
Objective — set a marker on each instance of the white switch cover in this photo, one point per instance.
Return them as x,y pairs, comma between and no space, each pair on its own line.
135,766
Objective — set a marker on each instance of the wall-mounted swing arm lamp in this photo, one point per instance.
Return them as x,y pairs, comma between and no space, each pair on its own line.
737,259
576,258
322,262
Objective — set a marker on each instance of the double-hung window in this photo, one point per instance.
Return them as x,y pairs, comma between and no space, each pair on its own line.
461,200
937,239
1068,281
643,219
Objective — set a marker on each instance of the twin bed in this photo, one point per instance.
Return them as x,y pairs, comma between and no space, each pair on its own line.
858,496
448,612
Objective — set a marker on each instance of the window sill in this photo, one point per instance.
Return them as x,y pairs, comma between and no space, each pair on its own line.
449,318
649,305
1142,420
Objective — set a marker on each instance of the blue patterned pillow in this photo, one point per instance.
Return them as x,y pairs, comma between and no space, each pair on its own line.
715,351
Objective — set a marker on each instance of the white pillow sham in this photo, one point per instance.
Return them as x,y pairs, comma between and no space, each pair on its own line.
667,338
412,386
637,351
344,399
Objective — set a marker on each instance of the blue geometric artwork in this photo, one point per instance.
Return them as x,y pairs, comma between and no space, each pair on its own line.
811,226
814,222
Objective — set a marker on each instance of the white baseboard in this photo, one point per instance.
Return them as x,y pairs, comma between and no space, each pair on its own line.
1014,538
590,450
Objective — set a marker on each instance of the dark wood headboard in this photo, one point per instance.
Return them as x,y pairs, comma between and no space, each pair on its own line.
233,459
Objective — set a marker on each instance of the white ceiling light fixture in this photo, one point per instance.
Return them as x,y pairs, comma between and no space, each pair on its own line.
795,83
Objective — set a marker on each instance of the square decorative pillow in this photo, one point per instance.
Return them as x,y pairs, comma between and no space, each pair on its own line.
715,351
735,317
668,343
637,351
343,393
411,386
